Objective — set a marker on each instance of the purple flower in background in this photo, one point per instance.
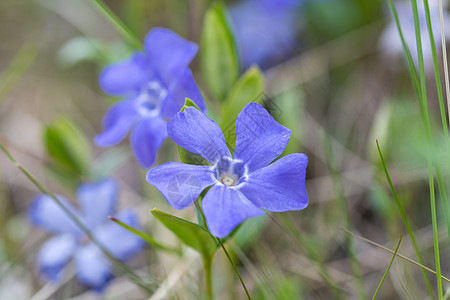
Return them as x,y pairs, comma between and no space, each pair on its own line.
241,186
390,42
154,84
266,30
97,201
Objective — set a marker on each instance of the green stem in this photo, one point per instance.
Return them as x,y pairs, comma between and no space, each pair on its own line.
425,268
405,220
207,266
387,270
430,164
117,22
234,268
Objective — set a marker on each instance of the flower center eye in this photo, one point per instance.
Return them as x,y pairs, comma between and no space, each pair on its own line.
230,172
229,180
149,100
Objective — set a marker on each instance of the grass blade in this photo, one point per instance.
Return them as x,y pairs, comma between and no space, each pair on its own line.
425,268
117,22
405,219
444,54
18,66
437,76
146,237
387,270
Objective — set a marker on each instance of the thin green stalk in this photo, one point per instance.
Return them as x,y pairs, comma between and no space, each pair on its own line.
200,211
430,164
425,268
387,270
437,77
16,68
117,22
447,92
405,220
444,54
128,271
422,97
207,266
234,268
339,190
150,240
312,253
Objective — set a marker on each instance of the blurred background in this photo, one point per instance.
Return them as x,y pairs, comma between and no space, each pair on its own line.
337,76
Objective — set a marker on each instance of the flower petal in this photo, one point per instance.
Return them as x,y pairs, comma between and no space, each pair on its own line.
55,254
98,201
195,132
119,241
92,267
146,138
126,78
225,208
184,87
46,214
180,183
259,138
168,52
280,186
117,122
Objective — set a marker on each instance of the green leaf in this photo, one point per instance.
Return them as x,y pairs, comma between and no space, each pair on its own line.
188,103
189,233
246,90
67,146
186,156
150,240
219,59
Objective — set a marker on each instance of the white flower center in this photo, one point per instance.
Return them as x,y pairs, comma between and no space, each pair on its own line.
230,172
229,180
148,102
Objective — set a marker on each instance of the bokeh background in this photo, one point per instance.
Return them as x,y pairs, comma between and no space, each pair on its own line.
337,76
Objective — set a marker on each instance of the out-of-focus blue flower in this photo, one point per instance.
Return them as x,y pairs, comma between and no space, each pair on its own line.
266,30
154,84
97,201
390,42
241,186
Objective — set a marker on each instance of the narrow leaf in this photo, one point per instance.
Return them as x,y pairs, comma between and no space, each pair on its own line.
219,59
388,268
150,240
189,233
67,146
247,89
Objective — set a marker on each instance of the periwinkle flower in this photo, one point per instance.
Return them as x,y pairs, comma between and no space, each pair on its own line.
97,201
390,42
266,30
154,84
241,186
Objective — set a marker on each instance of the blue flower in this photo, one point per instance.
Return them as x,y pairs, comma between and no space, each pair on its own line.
266,30
154,84
241,186
97,201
